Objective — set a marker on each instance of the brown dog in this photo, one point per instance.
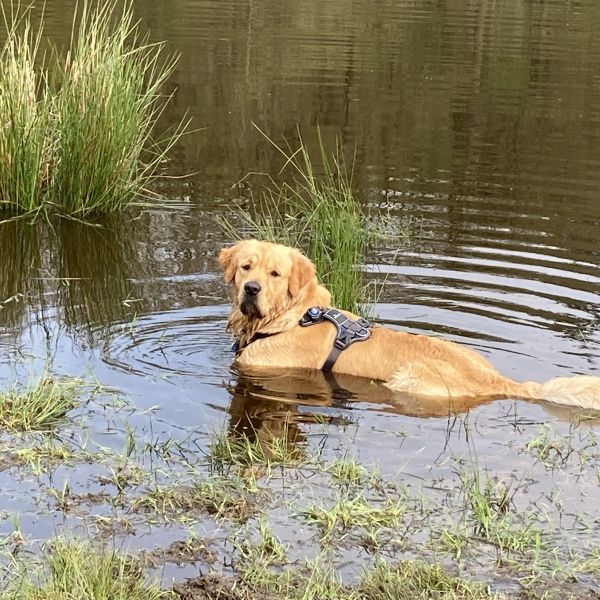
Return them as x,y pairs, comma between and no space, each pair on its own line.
276,285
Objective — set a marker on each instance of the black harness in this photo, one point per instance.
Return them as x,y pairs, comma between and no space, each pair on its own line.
348,331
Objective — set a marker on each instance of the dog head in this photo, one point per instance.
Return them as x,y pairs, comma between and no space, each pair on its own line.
269,278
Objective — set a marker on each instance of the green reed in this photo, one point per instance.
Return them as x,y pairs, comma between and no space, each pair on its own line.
81,142
25,115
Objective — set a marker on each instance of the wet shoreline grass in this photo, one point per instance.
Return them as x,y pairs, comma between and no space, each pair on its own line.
77,134
262,512
39,405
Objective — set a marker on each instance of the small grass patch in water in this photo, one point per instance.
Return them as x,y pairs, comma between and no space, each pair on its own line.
267,550
406,580
39,406
489,513
349,472
313,579
265,450
355,513
223,497
41,456
76,133
82,571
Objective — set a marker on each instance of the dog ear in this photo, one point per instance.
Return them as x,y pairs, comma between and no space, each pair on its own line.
303,273
228,261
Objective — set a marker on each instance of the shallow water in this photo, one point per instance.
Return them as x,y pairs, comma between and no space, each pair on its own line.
478,123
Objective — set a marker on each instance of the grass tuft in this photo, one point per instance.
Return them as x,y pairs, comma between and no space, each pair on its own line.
349,472
307,581
25,117
223,497
79,570
266,450
418,581
40,406
489,503
355,512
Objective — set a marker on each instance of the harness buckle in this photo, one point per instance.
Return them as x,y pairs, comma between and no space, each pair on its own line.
311,316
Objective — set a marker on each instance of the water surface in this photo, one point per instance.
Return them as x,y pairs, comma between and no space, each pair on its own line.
476,122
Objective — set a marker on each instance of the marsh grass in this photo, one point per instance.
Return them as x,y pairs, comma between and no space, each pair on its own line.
405,580
413,580
39,457
25,116
265,449
489,503
38,406
107,107
356,512
267,550
310,580
350,473
224,497
77,132
82,571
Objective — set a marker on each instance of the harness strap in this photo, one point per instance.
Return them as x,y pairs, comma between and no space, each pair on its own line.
348,330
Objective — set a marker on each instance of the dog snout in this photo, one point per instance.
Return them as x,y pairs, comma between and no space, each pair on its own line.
252,288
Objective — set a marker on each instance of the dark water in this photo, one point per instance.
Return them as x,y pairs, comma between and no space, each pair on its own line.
476,121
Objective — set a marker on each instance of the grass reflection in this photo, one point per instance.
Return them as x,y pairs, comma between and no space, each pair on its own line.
84,272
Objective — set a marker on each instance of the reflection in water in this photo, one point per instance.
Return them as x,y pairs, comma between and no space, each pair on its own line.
96,266
84,272
20,258
266,405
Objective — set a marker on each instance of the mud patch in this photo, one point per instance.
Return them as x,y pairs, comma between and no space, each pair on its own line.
211,587
182,552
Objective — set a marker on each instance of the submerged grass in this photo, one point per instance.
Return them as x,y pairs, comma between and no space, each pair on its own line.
405,580
265,449
80,140
489,506
228,497
39,406
355,512
418,581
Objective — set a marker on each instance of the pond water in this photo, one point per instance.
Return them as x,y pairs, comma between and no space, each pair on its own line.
475,122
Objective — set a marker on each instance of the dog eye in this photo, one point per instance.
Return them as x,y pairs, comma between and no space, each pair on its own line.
274,274
246,267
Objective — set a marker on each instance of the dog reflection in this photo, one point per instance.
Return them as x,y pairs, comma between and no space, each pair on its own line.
272,406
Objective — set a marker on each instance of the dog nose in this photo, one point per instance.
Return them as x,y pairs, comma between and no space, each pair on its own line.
252,288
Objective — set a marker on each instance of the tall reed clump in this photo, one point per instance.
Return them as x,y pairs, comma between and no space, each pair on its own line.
107,108
25,114
84,143
317,212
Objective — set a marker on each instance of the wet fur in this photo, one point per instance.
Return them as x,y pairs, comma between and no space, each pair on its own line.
418,365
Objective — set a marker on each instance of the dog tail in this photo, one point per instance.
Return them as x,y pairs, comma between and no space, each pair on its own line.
580,390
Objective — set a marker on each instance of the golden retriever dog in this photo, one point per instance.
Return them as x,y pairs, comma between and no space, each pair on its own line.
276,285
